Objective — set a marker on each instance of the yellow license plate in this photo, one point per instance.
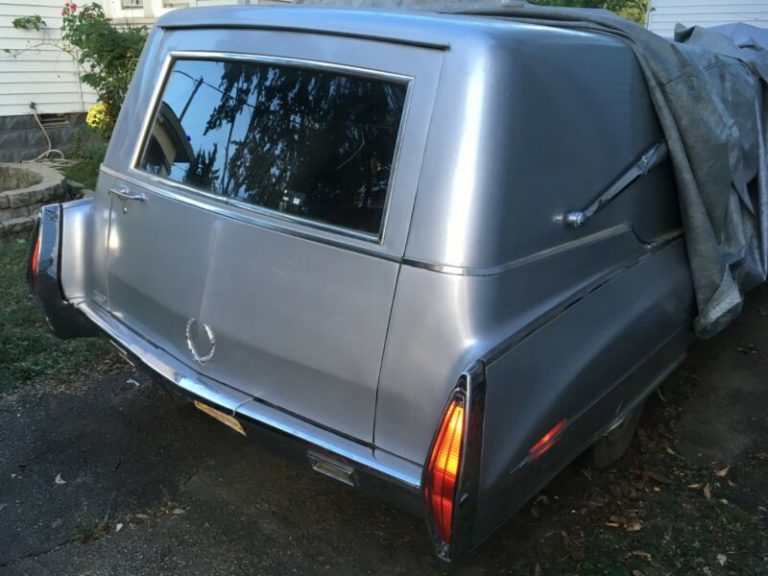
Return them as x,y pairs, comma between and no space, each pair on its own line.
221,417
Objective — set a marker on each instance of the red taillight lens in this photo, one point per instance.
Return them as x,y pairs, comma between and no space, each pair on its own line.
35,256
443,469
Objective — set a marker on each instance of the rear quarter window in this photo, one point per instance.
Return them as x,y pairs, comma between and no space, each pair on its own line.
316,144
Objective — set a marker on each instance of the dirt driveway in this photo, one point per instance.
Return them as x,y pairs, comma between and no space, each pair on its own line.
104,476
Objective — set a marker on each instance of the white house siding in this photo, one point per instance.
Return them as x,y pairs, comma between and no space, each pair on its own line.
34,70
150,10
663,15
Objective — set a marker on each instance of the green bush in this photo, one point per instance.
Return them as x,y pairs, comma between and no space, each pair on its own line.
630,9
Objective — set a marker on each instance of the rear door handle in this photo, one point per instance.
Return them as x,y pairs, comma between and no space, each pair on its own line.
126,194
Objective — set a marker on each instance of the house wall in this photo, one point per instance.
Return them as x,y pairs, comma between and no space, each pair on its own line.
34,70
663,15
147,11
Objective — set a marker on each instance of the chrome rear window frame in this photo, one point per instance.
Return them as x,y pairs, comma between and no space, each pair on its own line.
305,64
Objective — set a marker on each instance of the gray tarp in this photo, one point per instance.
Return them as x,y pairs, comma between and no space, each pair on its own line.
709,90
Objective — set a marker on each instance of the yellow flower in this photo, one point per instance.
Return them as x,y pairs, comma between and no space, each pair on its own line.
98,118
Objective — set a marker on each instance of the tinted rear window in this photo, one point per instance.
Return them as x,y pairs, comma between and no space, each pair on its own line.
315,144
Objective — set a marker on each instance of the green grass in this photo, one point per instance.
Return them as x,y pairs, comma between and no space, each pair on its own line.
28,349
85,171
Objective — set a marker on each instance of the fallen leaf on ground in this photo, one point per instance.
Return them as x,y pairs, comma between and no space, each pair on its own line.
695,486
118,526
723,472
707,491
537,570
178,511
634,526
641,554
142,516
59,479
613,525
570,546
660,478
617,519
722,559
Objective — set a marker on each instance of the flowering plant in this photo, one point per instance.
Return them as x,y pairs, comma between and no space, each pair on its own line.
108,54
100,119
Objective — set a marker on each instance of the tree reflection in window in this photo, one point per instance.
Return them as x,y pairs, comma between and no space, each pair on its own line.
317,144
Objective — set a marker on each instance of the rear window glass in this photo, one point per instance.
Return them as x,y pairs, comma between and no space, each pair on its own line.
311,143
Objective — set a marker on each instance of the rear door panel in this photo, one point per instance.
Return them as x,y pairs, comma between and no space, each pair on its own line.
157,264
298,314
299,324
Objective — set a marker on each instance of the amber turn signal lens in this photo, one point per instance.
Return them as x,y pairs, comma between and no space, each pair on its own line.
547,441
443,470
35,256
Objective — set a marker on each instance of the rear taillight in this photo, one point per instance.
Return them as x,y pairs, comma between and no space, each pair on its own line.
35,257
444,467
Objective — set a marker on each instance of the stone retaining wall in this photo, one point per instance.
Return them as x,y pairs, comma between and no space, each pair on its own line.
19,207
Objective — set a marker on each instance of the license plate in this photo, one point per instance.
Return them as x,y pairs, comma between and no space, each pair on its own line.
221,417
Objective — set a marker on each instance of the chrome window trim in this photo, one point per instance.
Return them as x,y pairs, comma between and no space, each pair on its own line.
248,216
357,71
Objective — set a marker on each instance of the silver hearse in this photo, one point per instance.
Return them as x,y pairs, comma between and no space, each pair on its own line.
373,235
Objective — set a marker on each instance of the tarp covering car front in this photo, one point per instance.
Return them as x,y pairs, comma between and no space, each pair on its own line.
708,87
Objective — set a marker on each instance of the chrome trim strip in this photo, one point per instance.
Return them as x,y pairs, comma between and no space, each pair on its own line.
598,236
241,404
221,209
606,276
150,113
286,62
